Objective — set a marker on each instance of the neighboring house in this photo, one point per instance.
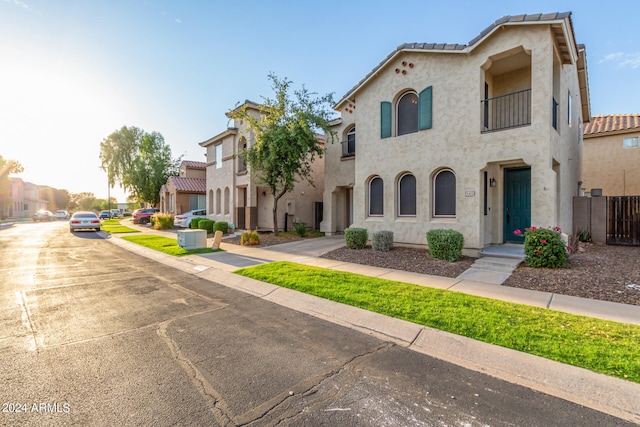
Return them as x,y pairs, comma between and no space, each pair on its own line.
13,206
483,138
32,201
611,155
185,192
234,194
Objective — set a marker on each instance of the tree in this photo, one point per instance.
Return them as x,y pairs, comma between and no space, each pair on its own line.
7,167
286,142
140,162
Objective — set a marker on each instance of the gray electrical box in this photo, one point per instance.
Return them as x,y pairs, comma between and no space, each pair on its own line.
192,239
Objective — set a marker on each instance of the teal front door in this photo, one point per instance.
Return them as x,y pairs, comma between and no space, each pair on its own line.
517,203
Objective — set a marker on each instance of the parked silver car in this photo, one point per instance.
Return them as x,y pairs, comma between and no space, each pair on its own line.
43,215
62,214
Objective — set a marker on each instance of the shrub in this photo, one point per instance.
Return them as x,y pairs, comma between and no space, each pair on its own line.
206,224
300,229
583,236
544,247
445,244
356,238
222,226
162,221
249,238
382,241
194,222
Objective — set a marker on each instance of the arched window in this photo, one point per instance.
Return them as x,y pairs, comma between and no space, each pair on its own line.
407,195
407,114
444,193
242,145
210,202
350,147
218,201
226,201
376,199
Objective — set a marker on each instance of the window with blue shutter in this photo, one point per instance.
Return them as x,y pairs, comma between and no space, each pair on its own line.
385,119
425,108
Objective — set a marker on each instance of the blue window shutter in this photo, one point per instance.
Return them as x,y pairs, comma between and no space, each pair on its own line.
385,119
425,108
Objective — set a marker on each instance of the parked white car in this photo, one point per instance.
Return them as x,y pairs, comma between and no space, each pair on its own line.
184,219
62,214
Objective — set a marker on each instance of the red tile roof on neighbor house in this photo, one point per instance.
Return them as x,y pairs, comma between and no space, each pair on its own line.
192,164
191,185
619,123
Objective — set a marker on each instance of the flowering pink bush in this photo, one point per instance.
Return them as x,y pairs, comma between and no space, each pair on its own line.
544,247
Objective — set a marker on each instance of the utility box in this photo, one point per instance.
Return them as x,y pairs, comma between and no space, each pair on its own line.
192,239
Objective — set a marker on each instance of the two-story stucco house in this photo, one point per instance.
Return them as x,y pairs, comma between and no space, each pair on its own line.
185,192
611,155
234,193
483,138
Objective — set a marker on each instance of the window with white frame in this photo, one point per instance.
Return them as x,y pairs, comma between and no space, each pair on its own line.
407,195
218,156
444,194
376,193
631,142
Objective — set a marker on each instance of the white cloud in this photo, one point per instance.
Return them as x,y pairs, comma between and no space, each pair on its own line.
178,20
622,59
19,3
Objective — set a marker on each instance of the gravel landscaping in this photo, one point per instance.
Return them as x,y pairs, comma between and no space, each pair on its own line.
608,273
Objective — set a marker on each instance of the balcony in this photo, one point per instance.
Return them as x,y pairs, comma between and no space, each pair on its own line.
506,111
348,148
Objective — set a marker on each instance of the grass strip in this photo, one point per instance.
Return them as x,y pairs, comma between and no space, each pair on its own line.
113,226
602,346
165,244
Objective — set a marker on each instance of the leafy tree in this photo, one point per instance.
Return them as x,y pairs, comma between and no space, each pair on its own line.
286,142
82,201
7,167
138,161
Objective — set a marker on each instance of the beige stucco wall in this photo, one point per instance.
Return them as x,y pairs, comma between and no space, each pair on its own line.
456,142
607,165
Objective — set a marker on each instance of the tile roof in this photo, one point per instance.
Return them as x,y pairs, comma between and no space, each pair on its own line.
192,164
619,123
193,185
460,48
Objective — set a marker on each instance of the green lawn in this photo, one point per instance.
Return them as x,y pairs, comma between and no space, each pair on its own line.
165,244
601,346
112,226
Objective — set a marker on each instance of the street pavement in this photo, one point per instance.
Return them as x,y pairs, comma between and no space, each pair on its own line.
597,391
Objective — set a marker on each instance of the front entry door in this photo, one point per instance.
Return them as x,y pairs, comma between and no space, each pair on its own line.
517,203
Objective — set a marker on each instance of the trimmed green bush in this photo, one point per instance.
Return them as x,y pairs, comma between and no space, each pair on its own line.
249,238
544,247
222,226
445,244
194,222
162,221
300,229
382,241
206,224
356,238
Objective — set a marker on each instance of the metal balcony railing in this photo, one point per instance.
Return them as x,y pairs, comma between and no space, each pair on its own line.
507,111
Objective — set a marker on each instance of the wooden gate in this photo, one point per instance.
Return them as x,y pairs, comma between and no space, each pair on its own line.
623,220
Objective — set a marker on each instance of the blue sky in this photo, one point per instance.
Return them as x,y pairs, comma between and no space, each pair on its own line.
72,72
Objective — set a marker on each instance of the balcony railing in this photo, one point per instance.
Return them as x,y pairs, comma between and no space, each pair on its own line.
348,148
507,111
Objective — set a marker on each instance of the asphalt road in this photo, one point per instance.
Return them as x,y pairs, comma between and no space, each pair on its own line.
92,335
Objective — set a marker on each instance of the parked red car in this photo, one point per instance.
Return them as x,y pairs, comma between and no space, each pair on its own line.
143,216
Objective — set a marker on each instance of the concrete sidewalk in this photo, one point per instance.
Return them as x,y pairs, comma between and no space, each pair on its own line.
607,394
